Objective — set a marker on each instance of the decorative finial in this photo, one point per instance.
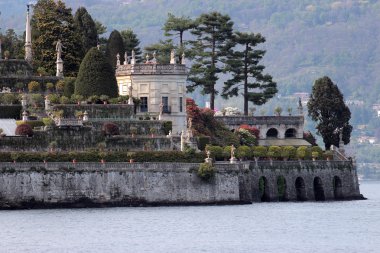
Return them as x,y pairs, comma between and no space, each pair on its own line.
147,58
154,60
125,58
98,46
118,59
133,59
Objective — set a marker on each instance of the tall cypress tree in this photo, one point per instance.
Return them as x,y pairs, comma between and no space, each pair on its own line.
96,76
115,45
86,29
131,42
247,73
214,39
53,21
326,106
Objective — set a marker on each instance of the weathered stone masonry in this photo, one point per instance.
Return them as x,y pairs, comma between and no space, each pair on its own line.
123,184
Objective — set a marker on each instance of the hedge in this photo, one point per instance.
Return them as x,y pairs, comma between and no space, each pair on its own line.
10,111
31,123
93,156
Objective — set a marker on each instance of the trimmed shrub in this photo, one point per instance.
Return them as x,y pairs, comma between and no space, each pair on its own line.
301,152
110,129
64,100
203,141
50,87
9,99
96,76
288,152
34,86
54,98
206,171
37,100
24,130
48,121
31,123
227,152
318,150
60,85
69,88
244,152
276,150
216,152
260,151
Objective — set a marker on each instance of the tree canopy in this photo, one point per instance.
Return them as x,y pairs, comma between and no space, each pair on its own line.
326,106
96,76
86,29
115,46
247,73
131,42
213,41
53,21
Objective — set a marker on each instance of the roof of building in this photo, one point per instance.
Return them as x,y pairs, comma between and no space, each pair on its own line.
8,126
284,142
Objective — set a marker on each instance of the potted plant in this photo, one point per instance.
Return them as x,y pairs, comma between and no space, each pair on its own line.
329,155
314,155
133,131
52,146
152,131
104,98
278,111
7,54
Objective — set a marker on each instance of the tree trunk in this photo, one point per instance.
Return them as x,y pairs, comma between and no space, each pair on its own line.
245,81
212,93
180,45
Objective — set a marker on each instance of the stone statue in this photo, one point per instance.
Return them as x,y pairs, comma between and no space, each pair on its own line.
133,59
154,60
183,60
147,58
172,55
190,123
98,46
118,59
58,49
208,153
233,151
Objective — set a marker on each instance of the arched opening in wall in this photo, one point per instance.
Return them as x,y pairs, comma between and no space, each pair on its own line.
290,133
319,193
272,133
337,185
300,189
264,189
281,188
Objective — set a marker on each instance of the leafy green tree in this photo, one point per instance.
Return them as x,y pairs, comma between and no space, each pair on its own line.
213,41
131,42
115,46
162,50
247,73
326,106
12,43
53,21
177,26
96,76
86,28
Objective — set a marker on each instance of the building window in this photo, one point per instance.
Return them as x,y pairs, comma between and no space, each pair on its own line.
180,104
165,104
143,104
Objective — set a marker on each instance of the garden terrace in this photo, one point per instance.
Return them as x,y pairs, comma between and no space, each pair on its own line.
151,69
97,111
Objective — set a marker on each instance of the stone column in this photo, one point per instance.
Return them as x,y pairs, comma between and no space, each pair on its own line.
47,103
24,116
28,38
59,68
24,101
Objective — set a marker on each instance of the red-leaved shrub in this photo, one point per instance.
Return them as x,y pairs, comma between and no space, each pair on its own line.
252,130
24,130
110,128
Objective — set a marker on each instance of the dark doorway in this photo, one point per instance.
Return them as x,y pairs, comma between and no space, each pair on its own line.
281,189
337,184
319,193
300,189
272,133
264,189
290,133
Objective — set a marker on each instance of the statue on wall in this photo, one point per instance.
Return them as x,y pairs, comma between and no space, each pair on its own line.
118,59
58,49
172,55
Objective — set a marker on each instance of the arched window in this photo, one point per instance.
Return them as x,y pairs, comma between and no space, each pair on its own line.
272,133
290,133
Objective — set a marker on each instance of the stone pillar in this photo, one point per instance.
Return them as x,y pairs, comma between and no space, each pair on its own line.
133,59
182,141
28,38
59,68
130,99
24,101
85,116
183,60
172,56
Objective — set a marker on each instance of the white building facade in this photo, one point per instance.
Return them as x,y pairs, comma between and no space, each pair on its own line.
161,89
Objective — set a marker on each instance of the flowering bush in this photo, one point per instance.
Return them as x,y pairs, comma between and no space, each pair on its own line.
231,111
246,138
252,130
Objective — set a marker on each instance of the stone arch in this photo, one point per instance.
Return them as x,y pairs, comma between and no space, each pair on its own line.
272,133
319,193
300,189
291,133
264,189
282,188
337,186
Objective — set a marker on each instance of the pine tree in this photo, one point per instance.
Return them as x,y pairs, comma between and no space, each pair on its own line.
86,28
177,26
247,73
162,50
326,106
96,76
115,46
214,39
131,42
53,21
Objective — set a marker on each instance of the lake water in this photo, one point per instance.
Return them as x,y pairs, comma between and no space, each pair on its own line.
352,226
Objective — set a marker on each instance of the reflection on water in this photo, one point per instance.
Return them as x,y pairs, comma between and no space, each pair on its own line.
352,226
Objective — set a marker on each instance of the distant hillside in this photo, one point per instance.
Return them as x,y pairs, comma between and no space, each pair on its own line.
305,39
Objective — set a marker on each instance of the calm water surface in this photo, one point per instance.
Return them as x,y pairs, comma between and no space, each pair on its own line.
352,226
